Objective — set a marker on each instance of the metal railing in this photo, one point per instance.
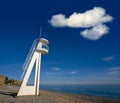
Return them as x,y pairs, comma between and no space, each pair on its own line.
29,57
44,46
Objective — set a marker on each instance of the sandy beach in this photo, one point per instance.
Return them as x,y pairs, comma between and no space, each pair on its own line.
8,95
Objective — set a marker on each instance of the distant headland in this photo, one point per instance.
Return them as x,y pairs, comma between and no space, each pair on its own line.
4,80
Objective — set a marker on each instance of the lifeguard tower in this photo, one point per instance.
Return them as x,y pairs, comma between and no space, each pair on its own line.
38,48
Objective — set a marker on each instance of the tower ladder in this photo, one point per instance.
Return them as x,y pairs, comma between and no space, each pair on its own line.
29,56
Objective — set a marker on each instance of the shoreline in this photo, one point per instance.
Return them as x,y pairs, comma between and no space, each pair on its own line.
105,91
8,94
80,97
69,93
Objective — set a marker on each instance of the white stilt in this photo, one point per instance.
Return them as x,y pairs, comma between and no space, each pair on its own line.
41,48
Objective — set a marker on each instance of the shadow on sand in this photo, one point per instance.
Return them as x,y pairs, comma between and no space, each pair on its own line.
9,94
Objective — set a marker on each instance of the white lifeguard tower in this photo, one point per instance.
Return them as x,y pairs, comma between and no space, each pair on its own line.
34,56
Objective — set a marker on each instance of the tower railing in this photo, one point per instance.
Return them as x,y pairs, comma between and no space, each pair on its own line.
44,46
29,56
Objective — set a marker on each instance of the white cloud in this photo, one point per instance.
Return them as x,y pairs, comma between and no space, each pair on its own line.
90,18
73,72
115,68
96,32
52,73
114,71
62,73
109,58
58,20
55,68
94,18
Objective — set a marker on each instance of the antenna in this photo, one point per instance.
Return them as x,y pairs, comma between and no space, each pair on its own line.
40,32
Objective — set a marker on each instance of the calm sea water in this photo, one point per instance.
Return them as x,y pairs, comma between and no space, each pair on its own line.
109,91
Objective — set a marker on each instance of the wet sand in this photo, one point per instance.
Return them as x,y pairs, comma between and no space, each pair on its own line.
8,95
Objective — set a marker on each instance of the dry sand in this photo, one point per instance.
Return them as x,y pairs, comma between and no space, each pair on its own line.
8,95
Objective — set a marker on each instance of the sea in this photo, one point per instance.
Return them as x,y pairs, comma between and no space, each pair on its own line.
108,91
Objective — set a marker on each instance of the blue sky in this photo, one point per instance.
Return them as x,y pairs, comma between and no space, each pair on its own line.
81,50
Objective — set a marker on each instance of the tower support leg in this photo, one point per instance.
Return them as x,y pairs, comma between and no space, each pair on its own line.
31,90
